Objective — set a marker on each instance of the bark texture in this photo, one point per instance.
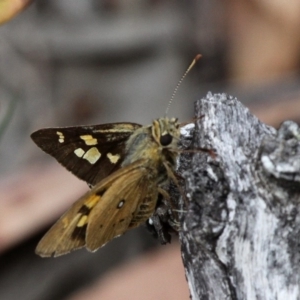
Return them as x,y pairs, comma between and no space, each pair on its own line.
241,224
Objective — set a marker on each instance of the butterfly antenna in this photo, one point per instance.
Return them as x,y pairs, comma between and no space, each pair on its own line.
197,57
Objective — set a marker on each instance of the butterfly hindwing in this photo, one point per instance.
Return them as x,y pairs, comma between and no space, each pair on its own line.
100,215
129,202
64,235
89,152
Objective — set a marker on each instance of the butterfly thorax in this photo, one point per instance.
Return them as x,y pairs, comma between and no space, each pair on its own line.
157,144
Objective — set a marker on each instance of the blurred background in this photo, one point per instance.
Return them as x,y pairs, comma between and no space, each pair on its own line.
66,62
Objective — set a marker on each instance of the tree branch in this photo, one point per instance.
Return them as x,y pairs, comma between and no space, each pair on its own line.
240,228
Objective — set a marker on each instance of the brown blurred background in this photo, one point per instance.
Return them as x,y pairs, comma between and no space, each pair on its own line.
66,62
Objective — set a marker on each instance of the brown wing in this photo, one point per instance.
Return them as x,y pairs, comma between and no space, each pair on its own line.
129,201
89,152
59,240
69,232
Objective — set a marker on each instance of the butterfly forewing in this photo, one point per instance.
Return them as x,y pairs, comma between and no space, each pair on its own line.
89,152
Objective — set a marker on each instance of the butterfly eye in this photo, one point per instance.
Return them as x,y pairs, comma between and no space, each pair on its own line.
166,139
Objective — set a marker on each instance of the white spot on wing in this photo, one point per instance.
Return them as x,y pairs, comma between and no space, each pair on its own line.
113,158
121,203
79,152
89,140
61,137
92,155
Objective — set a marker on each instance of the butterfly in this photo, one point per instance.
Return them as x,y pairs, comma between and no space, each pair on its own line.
128,167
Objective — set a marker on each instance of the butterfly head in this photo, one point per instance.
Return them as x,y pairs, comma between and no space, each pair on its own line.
166,131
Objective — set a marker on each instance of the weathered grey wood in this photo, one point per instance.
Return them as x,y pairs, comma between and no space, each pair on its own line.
241,227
